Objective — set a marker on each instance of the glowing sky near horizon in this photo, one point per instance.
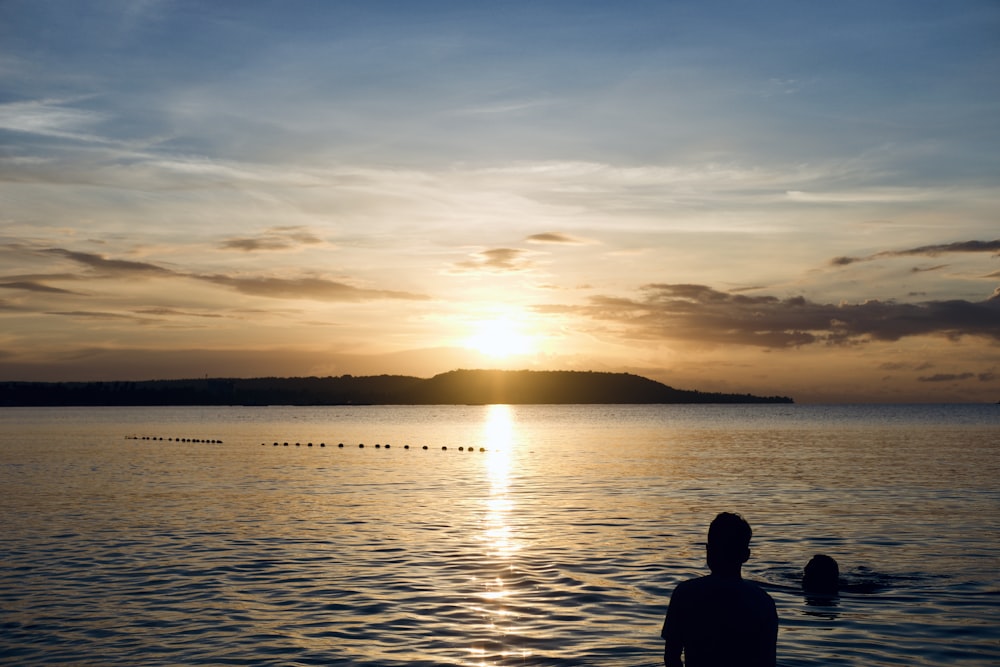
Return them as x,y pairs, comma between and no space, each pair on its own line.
775,198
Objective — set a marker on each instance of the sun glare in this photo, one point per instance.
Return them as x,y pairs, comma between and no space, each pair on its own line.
500,338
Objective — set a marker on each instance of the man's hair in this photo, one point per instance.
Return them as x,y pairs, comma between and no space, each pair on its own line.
730,533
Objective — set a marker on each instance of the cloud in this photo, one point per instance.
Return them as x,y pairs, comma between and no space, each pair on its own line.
898,366
113,267
276,238
952,377
171,312
700,313
496,260
31,286
101,315
861,196
555,237
318,289
315,288
927,250
50,118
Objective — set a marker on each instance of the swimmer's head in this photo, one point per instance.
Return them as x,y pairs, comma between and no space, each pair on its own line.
821,576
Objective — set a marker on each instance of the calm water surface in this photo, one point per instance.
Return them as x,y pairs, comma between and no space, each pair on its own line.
558,545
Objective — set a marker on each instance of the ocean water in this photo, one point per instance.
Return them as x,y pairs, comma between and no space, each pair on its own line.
186,536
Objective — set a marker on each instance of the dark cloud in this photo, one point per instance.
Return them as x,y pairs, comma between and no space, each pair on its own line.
318,289
897,366
99,315
496,260
31,286
940,249
118,267
555,237
278,238
927,269
946,377
171,312
701,313
927,250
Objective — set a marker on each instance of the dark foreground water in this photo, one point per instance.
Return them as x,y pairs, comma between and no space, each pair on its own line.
558,545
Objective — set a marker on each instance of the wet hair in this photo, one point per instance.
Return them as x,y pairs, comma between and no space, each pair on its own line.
729,537
821,575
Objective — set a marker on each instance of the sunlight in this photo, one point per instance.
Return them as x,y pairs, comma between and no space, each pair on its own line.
500,337
499,439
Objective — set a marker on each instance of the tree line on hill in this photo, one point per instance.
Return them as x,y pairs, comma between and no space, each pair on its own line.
452,388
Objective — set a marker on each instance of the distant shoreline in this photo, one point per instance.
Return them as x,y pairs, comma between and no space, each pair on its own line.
458,387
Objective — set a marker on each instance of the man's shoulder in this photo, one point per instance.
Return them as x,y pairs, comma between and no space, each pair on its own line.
710,582
697,583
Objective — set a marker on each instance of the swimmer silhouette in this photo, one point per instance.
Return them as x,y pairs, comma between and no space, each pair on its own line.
721,620
821,576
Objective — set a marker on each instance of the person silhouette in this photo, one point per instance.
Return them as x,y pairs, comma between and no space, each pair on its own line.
721,620
821,576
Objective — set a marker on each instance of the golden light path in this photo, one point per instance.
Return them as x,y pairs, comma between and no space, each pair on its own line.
500,439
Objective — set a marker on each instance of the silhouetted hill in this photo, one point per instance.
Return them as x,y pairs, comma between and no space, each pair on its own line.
455,387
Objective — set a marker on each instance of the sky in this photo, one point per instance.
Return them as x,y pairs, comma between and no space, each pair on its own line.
782,198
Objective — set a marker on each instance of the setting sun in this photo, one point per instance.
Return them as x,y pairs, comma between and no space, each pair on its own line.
500,338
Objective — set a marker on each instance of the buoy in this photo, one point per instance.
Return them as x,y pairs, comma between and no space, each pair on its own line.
341,445
461,449
322,444
387,446
310,444
444,448
425,446
482,449
377,446
361,446
406,446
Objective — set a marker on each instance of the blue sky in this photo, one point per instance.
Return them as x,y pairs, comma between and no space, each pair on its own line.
782,197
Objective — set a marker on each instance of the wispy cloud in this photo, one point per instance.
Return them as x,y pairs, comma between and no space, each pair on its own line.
308,287
102,316
173,312
556,238
934,250
276,238
701,313
864,196
319,289
31,286
958,377
111,267
51,118
496,260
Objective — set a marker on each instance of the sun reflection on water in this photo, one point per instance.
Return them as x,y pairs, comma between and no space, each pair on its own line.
495,597
499,438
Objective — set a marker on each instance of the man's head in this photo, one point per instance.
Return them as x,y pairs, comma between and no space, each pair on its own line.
728,542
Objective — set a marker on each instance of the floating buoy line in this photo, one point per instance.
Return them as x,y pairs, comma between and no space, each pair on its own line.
361,445
154,437
340,445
